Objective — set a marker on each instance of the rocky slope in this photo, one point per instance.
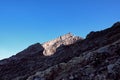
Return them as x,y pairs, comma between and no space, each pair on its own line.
36,57
100,64
68,58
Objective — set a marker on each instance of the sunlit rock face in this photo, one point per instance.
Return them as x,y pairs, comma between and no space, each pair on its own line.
51,46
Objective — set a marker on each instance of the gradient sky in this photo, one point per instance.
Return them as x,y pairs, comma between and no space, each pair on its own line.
25,22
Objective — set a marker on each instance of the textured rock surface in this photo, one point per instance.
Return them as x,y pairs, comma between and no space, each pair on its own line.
100,64
95,58
51,46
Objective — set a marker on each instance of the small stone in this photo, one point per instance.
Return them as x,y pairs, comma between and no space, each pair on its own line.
71,77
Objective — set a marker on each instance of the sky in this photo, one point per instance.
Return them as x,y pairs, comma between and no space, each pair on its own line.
25,22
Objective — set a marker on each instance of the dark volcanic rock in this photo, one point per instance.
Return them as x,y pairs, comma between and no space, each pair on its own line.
100,64
95,58
21,63
98,39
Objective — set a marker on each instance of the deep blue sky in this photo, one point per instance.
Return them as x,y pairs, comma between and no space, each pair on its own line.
25,22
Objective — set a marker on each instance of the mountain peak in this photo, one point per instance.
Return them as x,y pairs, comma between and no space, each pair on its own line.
67,35
117,23
51,46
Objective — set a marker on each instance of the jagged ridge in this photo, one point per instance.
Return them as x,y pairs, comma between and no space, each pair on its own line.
51,46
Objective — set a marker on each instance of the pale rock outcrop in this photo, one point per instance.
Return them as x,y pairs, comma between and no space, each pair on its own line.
51,46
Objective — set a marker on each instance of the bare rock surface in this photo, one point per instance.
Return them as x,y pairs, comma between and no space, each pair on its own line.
51,46
97,57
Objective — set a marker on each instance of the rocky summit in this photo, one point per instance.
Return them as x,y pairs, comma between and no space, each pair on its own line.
51,46
68,57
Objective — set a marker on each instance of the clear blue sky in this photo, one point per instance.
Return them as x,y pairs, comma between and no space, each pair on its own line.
25,22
